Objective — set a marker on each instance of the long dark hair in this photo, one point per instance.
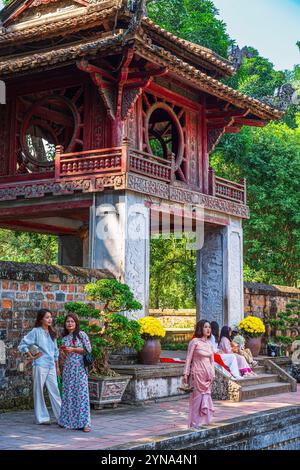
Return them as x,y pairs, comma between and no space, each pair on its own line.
215,330
77,328
225,332
39,320
199,328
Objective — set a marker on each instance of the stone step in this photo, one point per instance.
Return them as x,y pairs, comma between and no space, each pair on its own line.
259,369
255,391
258,380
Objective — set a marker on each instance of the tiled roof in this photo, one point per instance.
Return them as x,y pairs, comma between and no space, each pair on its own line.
211,85
94,14
203,53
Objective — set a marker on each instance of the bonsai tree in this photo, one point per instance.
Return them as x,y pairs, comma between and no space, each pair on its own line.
287,323
106,327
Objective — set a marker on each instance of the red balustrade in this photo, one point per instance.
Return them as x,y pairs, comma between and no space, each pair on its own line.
120,160
225,189
149,165
89,162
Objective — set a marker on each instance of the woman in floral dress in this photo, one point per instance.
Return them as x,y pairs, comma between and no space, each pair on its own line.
75,407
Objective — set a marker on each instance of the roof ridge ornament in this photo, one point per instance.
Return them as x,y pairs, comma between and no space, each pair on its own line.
139,10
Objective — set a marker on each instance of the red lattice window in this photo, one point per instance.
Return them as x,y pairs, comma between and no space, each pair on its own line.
164,129
45,120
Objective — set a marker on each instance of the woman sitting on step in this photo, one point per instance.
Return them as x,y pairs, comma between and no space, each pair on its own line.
229,359
238,346
226,348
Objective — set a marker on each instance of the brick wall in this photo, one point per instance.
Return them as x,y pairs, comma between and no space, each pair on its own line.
24,289
265,301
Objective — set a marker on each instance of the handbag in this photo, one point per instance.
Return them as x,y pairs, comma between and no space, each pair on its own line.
186,388
59,384
87,358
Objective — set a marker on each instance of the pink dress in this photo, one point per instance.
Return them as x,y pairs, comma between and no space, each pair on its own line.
200,366
243,365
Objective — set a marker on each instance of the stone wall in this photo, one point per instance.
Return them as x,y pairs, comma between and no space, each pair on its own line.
24,289
265,300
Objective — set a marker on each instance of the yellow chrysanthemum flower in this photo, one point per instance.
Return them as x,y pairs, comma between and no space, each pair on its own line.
151,326
252,326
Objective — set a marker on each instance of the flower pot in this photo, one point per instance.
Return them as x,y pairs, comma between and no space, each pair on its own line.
254,344
107,390
150,353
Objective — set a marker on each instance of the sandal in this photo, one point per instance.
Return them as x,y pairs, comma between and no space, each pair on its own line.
86,429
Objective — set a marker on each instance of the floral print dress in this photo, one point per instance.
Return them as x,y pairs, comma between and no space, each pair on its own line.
75,407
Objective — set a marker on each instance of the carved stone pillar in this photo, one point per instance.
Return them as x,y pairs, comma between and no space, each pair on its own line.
220,294
121,241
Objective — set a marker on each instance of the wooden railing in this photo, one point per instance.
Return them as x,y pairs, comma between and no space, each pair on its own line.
149,165
120,160
89,162
225,189
111,161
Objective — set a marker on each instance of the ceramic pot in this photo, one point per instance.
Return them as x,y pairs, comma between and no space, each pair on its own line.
150,353
254,344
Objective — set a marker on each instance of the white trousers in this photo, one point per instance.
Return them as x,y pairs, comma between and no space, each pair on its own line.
231,362
42,377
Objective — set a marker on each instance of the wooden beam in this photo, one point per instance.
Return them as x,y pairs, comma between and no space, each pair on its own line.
250,122
224,114
24,226
39,209
232,130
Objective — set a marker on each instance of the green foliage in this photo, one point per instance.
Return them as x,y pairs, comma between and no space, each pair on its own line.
116,296
108,330
269,158
287,322
193,20
172,274
28,247
256,76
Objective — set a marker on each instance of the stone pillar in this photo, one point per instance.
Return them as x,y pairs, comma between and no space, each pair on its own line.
70,250
120,241
233,267
220,275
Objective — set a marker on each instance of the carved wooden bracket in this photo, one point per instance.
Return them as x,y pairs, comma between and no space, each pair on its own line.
227,121
120,87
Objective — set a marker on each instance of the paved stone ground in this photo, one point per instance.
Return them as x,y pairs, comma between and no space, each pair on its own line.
125,424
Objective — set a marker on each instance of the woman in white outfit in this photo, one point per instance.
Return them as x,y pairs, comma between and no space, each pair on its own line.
45,365
229,360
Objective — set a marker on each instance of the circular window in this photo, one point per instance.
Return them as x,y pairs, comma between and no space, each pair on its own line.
51,121
164,134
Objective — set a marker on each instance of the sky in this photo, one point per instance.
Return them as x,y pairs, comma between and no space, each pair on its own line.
271,26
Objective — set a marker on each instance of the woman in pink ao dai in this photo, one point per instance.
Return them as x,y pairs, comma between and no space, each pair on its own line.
200,367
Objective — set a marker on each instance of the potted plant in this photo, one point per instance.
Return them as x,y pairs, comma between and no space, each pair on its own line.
252,328
287,323
108,331
273,349
151,331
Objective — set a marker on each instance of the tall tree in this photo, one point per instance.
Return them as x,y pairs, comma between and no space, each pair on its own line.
270,160
28,247
194,20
